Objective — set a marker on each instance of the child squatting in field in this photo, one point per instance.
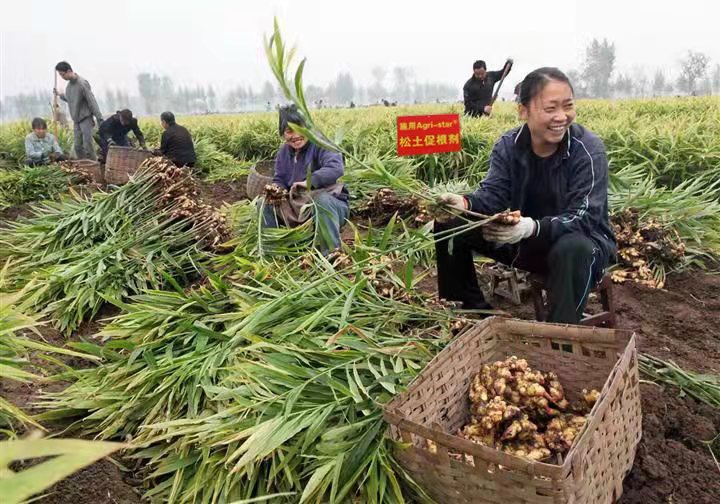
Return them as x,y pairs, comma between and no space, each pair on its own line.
556,174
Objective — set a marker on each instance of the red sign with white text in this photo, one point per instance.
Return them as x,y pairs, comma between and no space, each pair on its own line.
428,134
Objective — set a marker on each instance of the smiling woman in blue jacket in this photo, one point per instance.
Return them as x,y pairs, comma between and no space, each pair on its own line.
555,173
330,197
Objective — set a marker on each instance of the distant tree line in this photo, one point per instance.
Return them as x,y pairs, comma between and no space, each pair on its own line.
597,78
343,90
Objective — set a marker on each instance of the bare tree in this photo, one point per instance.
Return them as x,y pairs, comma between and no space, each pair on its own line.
693,68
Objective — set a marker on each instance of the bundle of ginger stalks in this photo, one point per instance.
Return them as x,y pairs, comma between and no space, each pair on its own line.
524,412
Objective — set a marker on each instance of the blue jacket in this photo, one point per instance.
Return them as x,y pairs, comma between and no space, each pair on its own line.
579,178
39,149
291,166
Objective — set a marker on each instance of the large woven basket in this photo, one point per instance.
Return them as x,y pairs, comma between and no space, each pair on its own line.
436,405
93,169
121,162
260,175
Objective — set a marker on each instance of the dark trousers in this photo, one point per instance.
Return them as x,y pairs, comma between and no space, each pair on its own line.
103,142
571,266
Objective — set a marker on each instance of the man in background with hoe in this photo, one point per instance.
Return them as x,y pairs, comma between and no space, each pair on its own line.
83,107
478,90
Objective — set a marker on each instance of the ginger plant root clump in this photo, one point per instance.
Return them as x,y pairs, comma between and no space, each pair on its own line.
524,412
77,174
274,194
643,244
385,203
181,196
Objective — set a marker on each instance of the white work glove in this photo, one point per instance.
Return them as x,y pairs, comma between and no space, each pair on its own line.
500,233
452,200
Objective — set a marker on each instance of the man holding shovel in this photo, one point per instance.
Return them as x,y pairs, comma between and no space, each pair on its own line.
478,90
83,108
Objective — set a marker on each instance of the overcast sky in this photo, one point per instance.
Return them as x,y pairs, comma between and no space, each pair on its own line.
220,41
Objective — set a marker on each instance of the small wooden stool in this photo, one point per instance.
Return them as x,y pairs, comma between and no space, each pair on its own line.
516,280
605,318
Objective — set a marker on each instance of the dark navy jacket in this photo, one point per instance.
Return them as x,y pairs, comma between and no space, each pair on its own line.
578,178
326,167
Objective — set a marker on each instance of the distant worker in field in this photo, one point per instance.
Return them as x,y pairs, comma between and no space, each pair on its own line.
554,175
329,197
114,131
478,90
83,108
41,147
176,144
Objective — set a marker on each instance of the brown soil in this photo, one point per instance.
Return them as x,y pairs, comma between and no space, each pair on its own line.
101,483
14,212
673,465
220,193
679,323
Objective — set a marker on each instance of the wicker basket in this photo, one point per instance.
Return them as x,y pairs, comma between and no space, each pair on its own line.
121,162
436,405
93,169
260,175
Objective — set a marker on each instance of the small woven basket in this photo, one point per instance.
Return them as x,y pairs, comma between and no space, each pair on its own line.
121,162
436,405
259,176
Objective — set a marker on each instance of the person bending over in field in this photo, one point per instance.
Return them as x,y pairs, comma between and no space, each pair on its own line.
478,90
114,131
555,173
42,147
176,144
295,159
